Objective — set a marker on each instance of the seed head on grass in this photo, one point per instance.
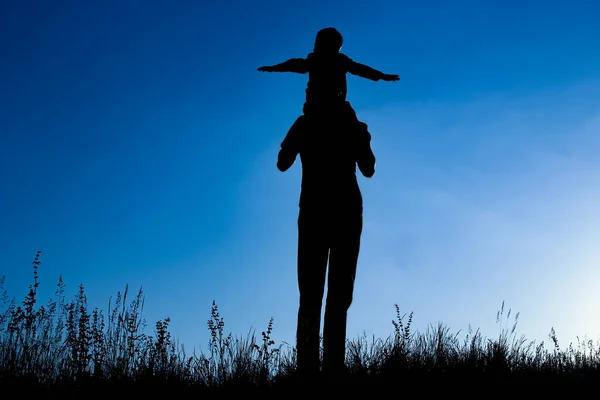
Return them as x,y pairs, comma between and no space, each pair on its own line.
65,344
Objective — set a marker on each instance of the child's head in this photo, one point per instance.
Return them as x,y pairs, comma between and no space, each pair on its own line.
328,40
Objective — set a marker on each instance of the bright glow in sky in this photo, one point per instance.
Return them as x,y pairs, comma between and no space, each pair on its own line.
138,145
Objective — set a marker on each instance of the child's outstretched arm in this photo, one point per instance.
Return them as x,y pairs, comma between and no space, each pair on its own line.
297,65
364,71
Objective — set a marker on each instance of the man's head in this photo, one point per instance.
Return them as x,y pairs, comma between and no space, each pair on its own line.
328,40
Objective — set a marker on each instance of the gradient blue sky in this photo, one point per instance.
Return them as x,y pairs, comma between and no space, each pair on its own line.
138,145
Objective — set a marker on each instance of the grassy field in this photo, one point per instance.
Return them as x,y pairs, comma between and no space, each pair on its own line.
64,347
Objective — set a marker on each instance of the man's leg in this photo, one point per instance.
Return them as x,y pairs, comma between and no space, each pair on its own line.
313,252
343,260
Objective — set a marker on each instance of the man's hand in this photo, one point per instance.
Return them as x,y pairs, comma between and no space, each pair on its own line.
266,69
390,77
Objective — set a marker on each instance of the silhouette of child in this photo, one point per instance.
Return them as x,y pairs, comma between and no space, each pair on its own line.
327,88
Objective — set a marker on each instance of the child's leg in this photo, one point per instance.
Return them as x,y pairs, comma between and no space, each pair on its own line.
350,116
349,112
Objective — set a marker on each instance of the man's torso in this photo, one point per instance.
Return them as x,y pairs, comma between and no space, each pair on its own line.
329,179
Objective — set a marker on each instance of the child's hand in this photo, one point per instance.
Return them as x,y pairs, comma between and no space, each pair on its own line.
265,69
390,77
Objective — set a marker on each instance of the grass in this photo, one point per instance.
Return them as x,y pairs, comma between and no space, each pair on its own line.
63,347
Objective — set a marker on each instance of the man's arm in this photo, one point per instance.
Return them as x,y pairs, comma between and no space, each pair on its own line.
365,159
286,159
297,65
364,71
290,147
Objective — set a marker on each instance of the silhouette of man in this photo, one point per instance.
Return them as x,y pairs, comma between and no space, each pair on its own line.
331,142
329,229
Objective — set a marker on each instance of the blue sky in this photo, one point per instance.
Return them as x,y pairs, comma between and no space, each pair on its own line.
138,146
